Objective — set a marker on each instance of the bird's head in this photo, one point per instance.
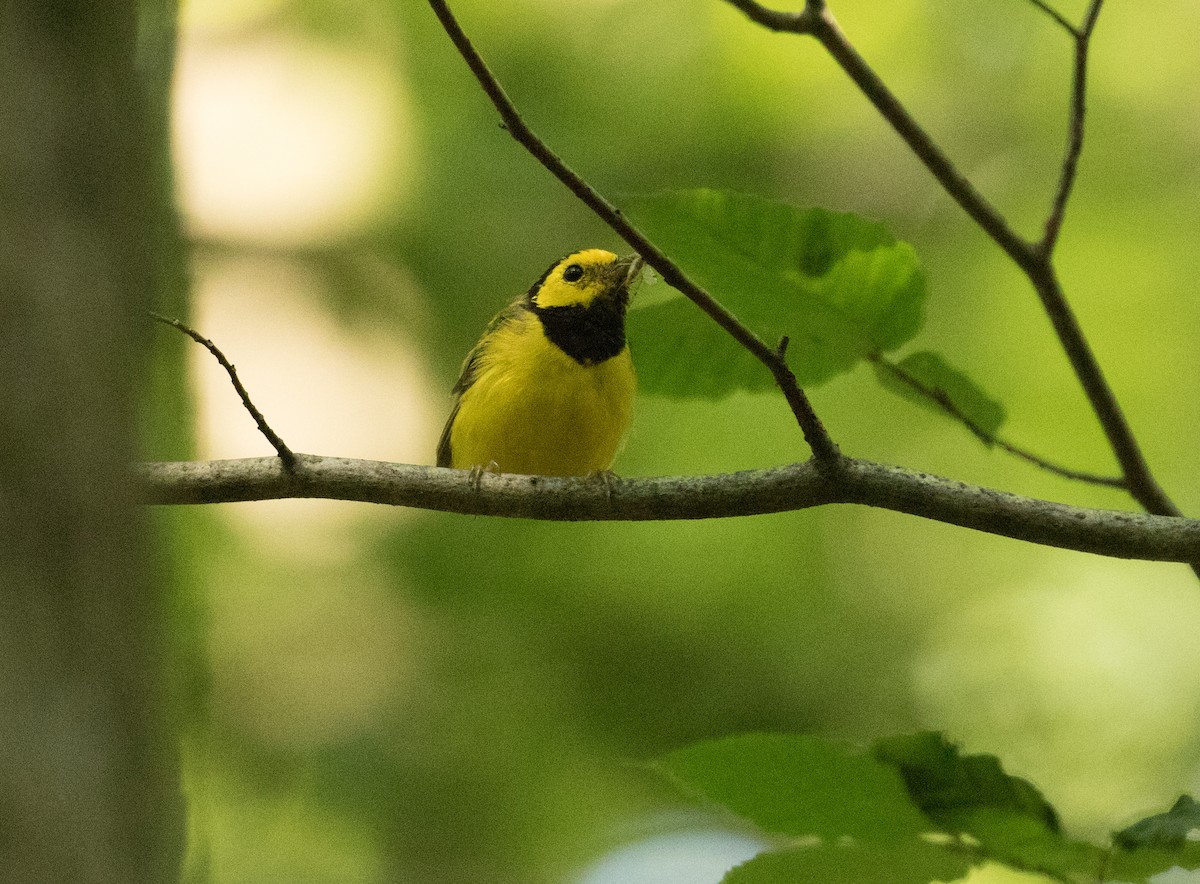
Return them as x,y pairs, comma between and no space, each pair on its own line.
583,278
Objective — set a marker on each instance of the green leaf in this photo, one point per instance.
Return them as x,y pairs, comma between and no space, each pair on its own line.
1168,830
971,794
1142,865
798,786
1159,842
913,862
951,787
935,384
838,286
1024,842
865,811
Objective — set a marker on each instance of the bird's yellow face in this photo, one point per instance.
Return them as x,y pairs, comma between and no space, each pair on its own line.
579,279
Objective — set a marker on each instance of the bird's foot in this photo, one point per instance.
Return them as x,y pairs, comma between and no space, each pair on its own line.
475,474
607,478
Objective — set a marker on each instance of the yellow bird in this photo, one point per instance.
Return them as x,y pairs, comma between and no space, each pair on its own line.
549,387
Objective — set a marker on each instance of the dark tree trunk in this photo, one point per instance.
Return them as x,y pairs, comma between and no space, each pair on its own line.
88,778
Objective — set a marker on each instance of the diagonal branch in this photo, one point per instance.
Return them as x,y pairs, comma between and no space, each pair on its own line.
817,21
285,454
815,434
779,489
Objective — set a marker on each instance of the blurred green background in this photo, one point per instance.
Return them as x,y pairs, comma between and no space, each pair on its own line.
387,695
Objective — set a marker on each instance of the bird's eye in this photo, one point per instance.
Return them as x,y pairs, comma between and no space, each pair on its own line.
573,273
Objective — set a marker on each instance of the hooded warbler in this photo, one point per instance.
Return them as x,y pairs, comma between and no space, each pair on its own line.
549,387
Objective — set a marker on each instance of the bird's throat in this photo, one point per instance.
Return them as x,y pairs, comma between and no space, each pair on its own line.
589,335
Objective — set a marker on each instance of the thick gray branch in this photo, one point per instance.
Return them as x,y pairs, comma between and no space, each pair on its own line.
779,489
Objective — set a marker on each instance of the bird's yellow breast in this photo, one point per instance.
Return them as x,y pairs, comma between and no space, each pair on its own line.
533,409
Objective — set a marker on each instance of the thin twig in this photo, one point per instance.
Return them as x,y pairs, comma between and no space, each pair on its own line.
939,398
793,22
285,454
1058,17
823,447
1075,128
779,489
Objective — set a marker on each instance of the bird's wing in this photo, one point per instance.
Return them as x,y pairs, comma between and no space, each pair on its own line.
444,455
470,371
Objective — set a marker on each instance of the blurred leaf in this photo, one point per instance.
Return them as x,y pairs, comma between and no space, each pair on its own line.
945,388
1144,865
1168,830
799,786
838,286
1024,842
1159,842
951,788
865,822
914,862
972,794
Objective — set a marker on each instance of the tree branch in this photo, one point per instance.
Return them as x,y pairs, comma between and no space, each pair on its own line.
815,434
779,489
802,22
1034,259
1082,37
793,487
816,20
1141,482
285,454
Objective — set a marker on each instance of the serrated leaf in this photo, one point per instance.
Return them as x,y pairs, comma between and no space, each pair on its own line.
915,862
972,795
838,286
798,786
941,388
949,786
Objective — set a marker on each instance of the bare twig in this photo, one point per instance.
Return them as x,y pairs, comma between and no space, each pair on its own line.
779,489
286,455
1075,128
944,402
815,434
801,22
1138,477
1057,16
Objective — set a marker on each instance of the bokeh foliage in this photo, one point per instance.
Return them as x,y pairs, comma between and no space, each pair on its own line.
911,808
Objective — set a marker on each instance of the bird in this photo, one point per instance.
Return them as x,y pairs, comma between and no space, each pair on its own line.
549,388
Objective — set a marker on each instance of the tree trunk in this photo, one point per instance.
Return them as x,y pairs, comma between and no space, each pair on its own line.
88,775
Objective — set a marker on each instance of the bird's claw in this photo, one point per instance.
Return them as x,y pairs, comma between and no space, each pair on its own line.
475,474
607,478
